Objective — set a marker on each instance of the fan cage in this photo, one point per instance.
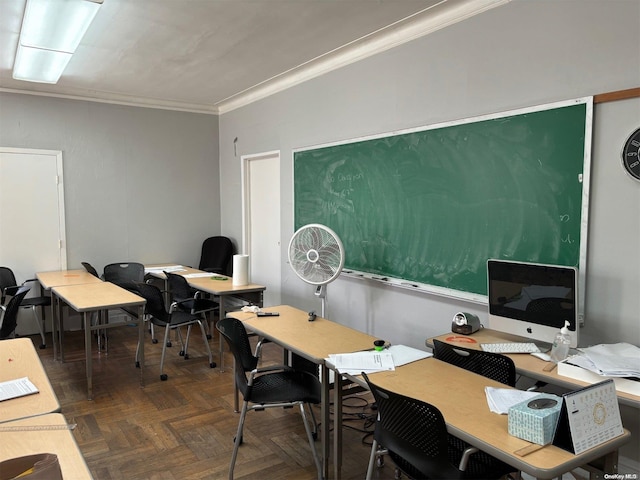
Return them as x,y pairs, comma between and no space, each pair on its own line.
316,254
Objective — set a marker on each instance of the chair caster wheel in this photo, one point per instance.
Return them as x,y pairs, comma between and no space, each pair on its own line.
168,344
137,364
315,435
181,353
154,340
164,377
234,440
212,365
186,356
42,347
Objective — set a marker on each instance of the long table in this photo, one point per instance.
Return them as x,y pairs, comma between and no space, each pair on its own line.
94,297
526,365
58,278
314,341
44,434
460,396
19,359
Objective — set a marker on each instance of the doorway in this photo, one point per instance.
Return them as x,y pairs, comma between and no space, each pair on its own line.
261,222
32,221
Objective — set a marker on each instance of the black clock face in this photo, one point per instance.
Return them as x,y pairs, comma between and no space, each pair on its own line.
631,154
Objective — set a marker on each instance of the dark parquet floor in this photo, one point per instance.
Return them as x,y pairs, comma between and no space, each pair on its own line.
183,428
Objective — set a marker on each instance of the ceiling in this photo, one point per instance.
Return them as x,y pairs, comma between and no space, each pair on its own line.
213,56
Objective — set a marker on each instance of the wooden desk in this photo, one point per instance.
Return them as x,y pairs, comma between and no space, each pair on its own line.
27,437
57,278
252,293
18,358
460,396
526,364
92,297
314,341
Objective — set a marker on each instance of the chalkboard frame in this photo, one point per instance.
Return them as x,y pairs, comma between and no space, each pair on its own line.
395,281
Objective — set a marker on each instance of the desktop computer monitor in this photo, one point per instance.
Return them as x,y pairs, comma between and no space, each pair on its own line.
532,300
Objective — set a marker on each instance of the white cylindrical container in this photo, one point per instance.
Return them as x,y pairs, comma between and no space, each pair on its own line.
240,270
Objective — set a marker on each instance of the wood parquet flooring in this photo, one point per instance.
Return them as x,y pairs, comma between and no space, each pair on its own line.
183,428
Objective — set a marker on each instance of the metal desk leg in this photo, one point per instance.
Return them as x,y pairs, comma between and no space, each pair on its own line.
337,425
54,325
325,419
87,348
221,315
141,343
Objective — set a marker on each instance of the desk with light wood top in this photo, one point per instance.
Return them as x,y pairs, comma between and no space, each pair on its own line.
18,359
93,297
314,341
214,284
34,435
57,278
526,365
460,396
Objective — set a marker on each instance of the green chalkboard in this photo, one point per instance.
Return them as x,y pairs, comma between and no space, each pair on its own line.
432,205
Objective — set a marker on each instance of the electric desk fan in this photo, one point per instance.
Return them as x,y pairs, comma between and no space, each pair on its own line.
316,255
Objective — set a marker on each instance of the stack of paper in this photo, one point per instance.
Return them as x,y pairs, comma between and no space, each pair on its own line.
17,388
500,399
369,362
164,268
613,360
372,361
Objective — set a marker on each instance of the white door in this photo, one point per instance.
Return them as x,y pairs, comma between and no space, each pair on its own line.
261,180
32,227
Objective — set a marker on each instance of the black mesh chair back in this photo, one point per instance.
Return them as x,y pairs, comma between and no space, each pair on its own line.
274,386
491,365
171,320
9,287
89,268
216,255
414,434
9,318
125,275
8,283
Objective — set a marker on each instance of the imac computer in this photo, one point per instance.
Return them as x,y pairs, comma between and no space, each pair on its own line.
532,300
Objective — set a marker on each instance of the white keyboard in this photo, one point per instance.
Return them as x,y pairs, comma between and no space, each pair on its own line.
511,347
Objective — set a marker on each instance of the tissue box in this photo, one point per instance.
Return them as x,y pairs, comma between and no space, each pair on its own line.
535,419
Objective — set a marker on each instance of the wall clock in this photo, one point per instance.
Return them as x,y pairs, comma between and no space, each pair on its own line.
631,154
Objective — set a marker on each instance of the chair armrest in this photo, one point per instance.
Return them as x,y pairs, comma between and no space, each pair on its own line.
465,458
10,291
270,368
30,280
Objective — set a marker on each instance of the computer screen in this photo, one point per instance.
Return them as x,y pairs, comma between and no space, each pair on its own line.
532,300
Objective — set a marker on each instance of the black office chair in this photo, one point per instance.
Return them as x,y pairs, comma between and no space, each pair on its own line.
125,275
9,286
9,318
491,365
216,255
89,268
171,319
414,434
267,387
189,299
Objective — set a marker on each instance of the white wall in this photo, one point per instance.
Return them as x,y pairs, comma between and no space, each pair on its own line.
522,54
140,184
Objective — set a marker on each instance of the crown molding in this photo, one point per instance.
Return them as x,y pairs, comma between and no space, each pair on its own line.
441,15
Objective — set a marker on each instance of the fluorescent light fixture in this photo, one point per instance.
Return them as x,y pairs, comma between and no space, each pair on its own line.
51,32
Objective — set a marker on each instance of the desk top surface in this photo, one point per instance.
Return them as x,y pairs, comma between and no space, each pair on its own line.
65,277
92,296
313,340
213,283
18,359
526,364
460,396
60,442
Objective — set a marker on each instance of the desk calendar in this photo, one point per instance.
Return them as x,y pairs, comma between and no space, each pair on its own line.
589,416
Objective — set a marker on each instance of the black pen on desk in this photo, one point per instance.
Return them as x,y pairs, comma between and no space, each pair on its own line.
406,284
